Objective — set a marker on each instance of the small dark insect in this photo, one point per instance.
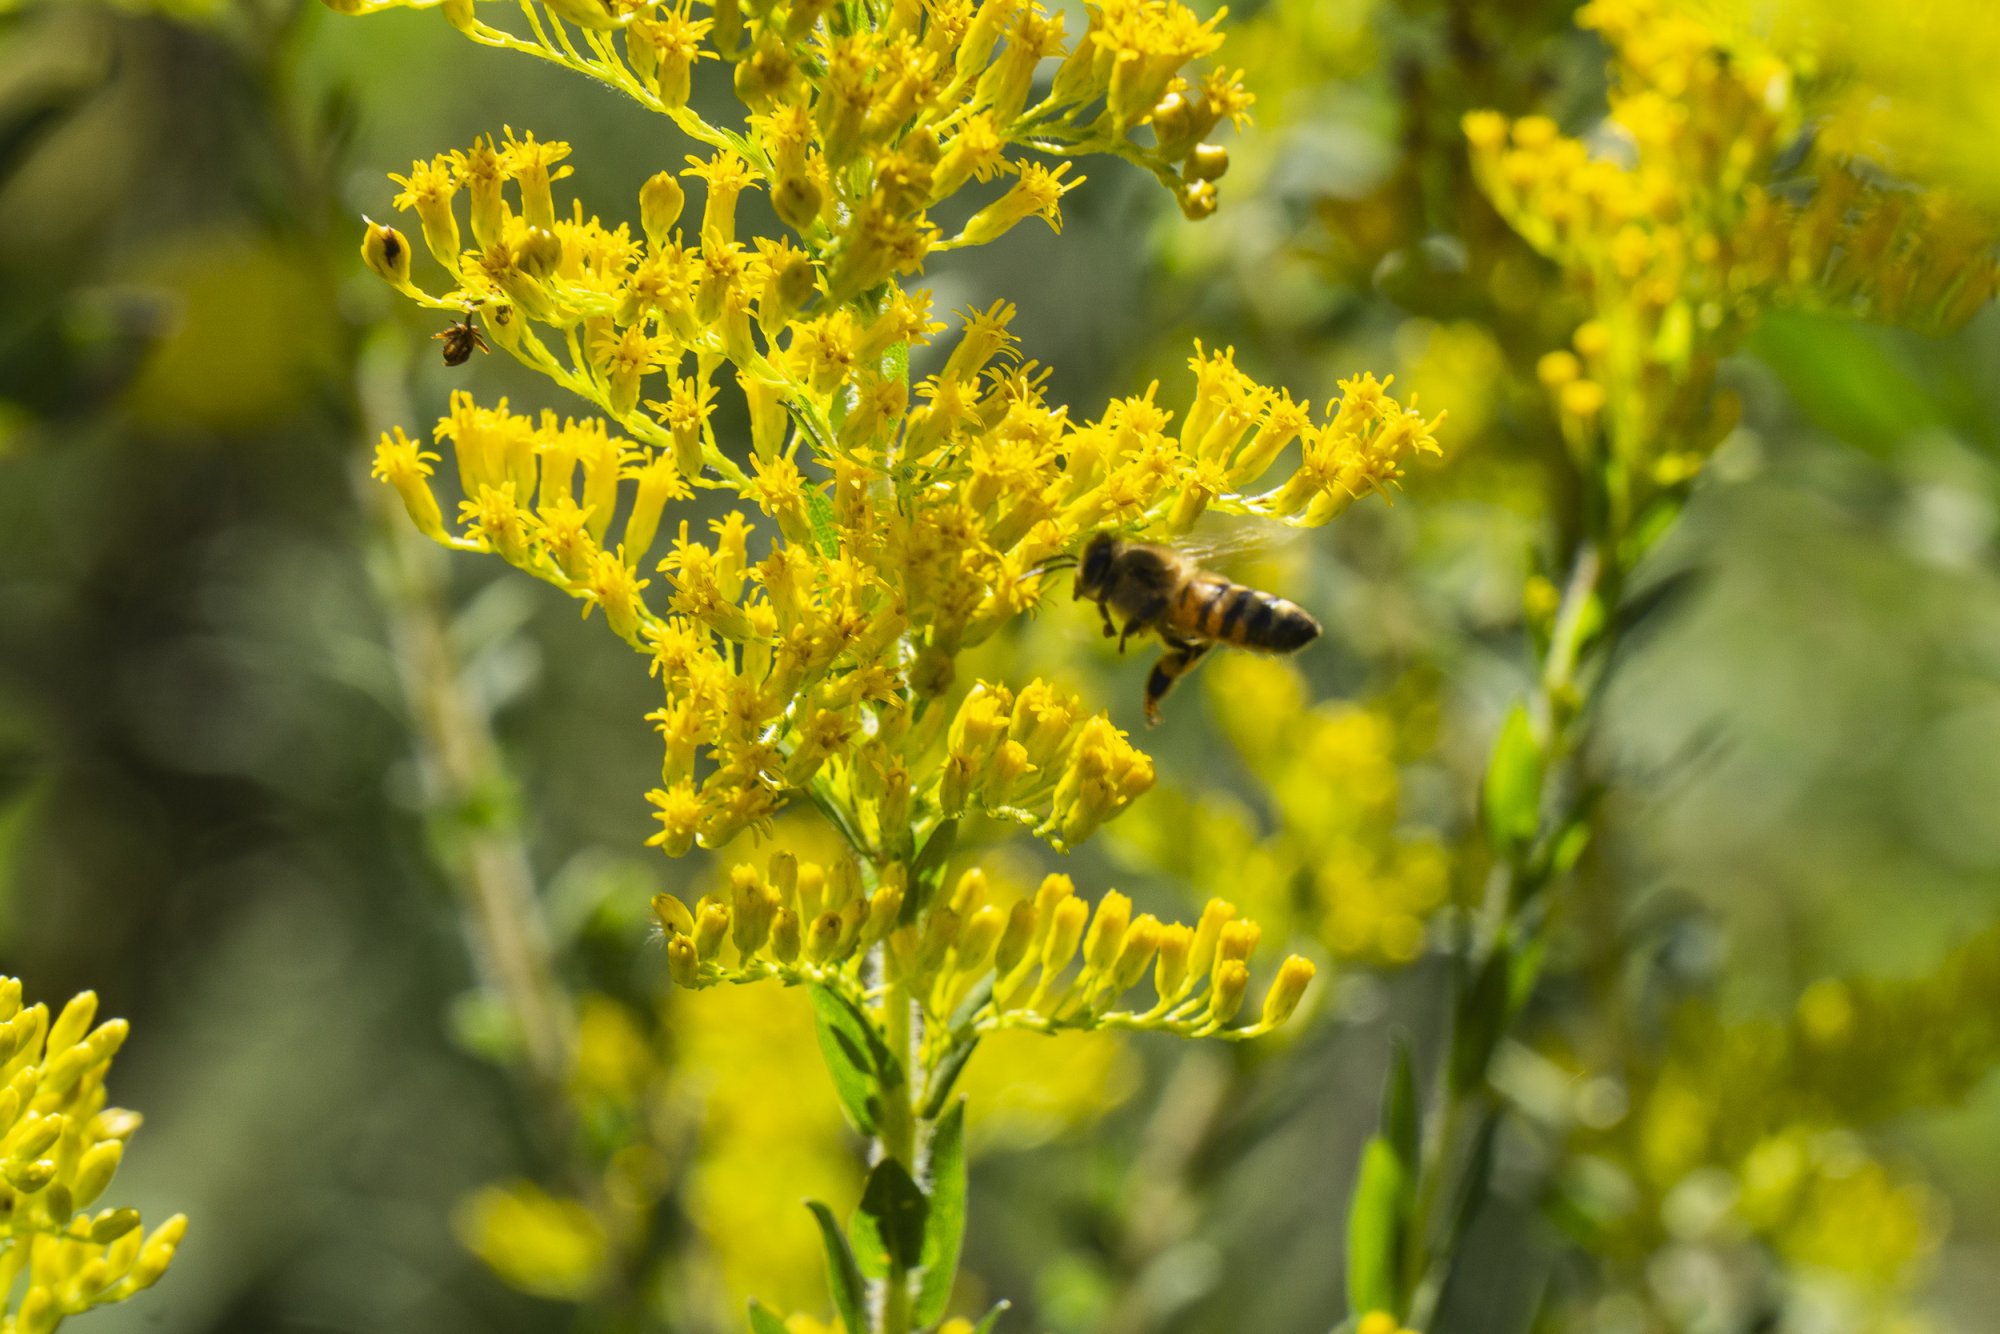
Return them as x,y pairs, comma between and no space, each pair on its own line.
459,340
1159,589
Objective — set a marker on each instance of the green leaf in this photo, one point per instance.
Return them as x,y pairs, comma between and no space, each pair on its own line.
895,366
986,1323
763,1320
843,1276
944,1228
1484,1011
862,1067
1375,1224
1400,1114
1513,792
819,513
927,872
946,1072
887,1229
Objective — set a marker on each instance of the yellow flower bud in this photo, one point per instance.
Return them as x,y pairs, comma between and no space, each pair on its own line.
1021,930
684,961
785,939
672,915
1170,972
1217,914
1065,934
1107,931
1207,162
1287,989
979,938
1232,979
385,251
823,940
711,924
661,200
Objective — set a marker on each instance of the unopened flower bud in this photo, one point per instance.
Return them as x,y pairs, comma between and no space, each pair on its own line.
1170,971
1287,989
1014,941
672,915
1207,162
785,938
1198,200
661,200
711,924
823,940
1232,979
1107,930
387,253
797,202
539,253
1065,934
683,962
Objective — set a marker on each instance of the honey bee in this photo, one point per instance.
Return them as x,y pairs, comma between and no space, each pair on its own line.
459,340
1159,589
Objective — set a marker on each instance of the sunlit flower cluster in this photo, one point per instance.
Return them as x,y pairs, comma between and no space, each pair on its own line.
1678,223
60,1144
978,961
888,536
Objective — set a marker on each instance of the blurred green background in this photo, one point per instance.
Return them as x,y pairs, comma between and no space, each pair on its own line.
210,811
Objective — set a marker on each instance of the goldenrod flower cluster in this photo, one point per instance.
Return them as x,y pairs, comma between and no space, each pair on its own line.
60,1144
976,962
892,537
1756,1121
1334,857
1677,228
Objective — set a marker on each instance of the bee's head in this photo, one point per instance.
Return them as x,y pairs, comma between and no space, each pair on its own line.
1093,567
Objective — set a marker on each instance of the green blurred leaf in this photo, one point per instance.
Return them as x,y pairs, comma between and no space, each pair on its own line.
1484,1009
944,1229
887,1230
763,1320
1375,1224
1400,1111
843,1276
1847,378
861,1066
1513,790
992,1317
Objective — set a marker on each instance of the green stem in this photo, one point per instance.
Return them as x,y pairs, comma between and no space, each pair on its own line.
897,1138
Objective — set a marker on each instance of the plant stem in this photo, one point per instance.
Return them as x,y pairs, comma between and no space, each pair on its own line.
467,788
898,1136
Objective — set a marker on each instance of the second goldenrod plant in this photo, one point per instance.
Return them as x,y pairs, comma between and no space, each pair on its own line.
807,641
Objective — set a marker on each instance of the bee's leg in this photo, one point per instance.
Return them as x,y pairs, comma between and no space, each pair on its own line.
1110,626
1176,662
1143,618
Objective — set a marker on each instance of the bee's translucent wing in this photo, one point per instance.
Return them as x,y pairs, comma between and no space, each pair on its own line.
1218,540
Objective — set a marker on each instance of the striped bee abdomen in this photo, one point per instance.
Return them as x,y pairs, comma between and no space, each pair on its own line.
1227,613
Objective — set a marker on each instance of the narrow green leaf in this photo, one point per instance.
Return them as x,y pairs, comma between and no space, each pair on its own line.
763,1320
1513,791
843,1276
992,1317
1375,1223
887,1230
1400,1114
927,872
819,513
1484,1010
947,1071
944,1228
860,1064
